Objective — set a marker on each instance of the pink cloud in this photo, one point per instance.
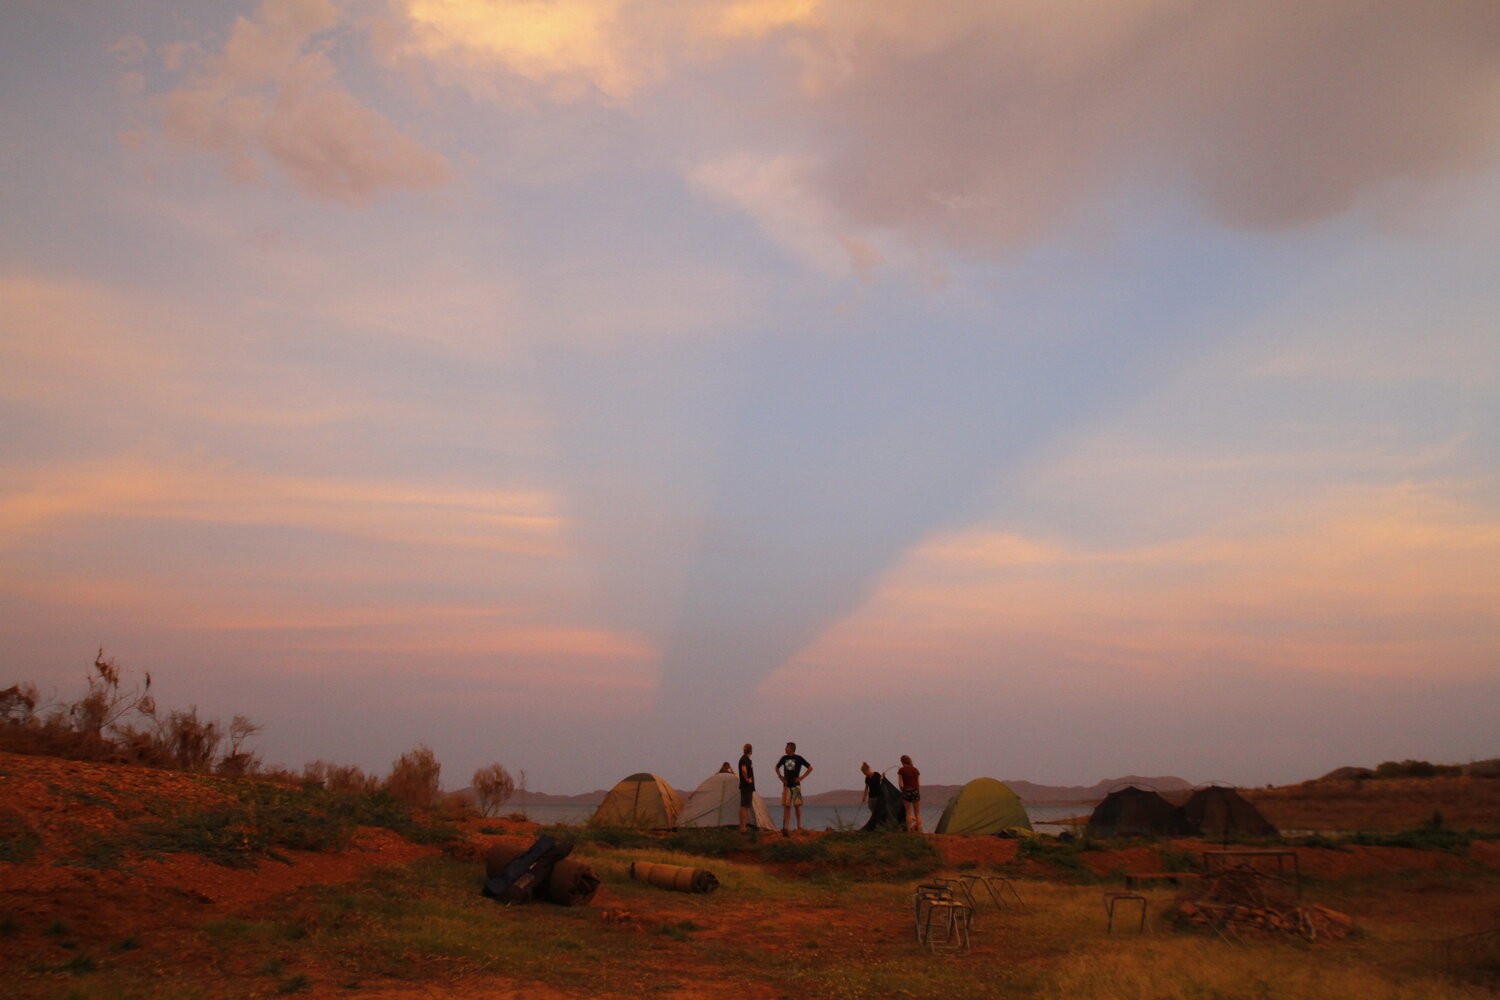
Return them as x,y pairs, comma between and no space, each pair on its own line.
1370,582
270,97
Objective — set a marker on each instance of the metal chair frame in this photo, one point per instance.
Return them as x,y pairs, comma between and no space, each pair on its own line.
997,896
1112,900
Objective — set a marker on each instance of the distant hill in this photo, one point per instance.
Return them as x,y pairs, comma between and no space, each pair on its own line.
544,799
530,798
1029,791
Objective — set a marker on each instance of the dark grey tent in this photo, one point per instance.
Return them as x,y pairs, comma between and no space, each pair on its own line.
887,812
1220,811
1135,812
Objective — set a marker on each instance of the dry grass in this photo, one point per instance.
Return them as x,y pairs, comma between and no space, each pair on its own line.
1387,805
818,916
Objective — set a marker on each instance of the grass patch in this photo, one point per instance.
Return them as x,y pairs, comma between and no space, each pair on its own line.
293,984
96,850
428,922
1065,858
894,856
79,965
680,930
604,836
707,843
266,818
1427,838
18,841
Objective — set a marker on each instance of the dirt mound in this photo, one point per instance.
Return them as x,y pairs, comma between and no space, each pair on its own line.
69,864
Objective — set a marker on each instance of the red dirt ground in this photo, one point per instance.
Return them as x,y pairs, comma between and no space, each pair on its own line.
62,803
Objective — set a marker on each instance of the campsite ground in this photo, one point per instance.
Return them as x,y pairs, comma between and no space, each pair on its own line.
120,882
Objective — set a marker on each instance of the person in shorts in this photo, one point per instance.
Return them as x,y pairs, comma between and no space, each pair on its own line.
911,793
747,787
792,768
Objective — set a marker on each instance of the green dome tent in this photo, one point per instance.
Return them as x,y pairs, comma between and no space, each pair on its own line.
642,801
984,807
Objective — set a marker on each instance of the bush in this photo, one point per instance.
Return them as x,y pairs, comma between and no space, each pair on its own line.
1416,769
414,778
119,723
341,779
493,787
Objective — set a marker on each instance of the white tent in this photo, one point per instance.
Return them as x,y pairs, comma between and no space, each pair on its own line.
716,802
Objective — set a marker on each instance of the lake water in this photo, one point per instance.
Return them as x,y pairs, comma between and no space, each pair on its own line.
1043,817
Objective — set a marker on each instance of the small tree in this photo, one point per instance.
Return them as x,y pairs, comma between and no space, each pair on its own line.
240,760
194,742
414,777
493,787
342,779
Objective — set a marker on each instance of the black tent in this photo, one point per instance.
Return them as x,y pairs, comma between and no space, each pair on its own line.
1220,811
1135,812
887,811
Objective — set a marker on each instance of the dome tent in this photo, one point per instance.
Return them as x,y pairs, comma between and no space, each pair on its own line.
642,801
716,802
982,807
1135,812
1220,811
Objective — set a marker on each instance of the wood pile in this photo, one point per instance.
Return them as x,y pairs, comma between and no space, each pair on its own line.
1243,898
1311,921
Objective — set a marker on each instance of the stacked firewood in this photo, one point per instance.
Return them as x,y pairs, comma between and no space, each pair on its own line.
1243,898
1311,921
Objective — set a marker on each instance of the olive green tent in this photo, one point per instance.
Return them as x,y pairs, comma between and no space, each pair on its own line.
984,806
642,801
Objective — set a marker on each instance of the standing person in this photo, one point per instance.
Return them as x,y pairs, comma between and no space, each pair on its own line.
791,769
911,793
747,787
871,794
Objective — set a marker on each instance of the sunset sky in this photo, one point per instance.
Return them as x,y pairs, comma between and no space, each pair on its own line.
1047,389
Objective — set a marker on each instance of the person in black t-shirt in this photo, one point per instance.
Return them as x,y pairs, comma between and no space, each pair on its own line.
871,793
747,787
791,769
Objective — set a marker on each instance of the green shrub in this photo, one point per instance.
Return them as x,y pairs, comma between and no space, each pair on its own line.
608,836
1428,838
18,840
708,843
794,850
1065,856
